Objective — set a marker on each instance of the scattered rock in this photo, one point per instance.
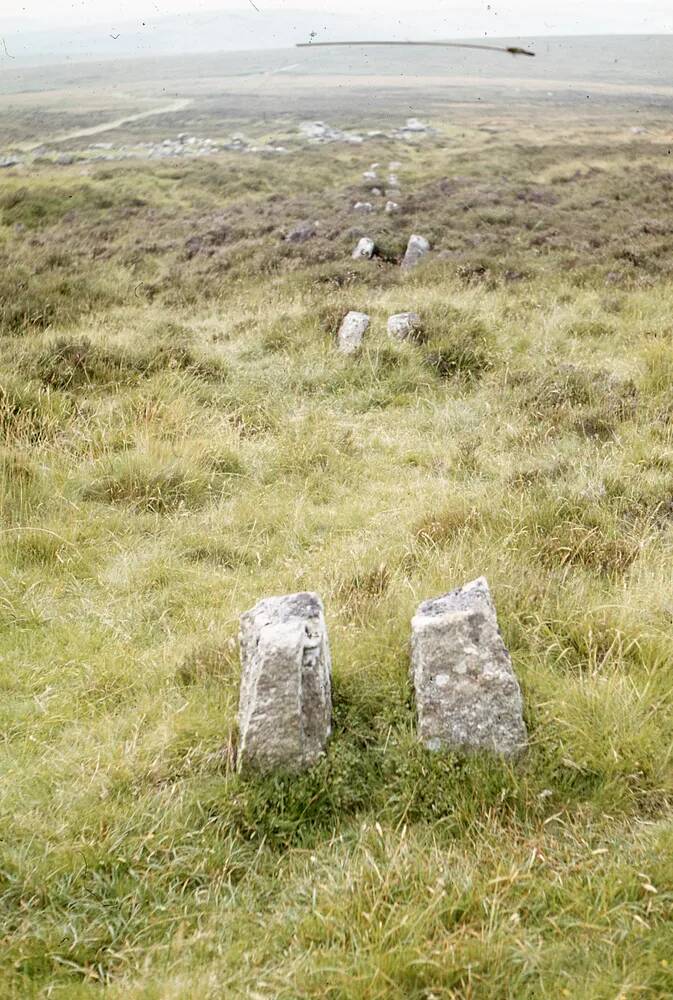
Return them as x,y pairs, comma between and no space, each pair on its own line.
319,132
370,175
314,130
365,249
401,326
285,708
417,248
351,332
363,206
301,232
392,206
414,125
377,191
467,695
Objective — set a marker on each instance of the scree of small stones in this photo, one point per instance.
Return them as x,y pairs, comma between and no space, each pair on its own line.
351,332
285,707
467,695
403,326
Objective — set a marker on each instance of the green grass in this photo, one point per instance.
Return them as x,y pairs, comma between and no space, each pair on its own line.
179,437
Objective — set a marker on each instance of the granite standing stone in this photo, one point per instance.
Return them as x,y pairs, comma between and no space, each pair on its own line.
402,326
417,248
352,331
467,695
365,249
285,707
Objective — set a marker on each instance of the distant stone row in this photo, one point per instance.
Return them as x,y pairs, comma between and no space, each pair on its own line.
417,248
320,132
401,326
467,695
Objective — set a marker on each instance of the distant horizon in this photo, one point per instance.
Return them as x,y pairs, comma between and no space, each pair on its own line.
610,61
10,59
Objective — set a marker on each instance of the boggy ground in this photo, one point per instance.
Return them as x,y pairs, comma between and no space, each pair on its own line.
179,438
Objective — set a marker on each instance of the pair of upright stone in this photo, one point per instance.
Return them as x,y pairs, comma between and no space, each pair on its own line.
467,695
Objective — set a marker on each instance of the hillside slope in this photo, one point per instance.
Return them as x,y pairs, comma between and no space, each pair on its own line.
179,437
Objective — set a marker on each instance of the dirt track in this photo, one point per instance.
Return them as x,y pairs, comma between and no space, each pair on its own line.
178,105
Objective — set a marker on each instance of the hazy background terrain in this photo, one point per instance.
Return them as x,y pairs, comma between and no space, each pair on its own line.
55,30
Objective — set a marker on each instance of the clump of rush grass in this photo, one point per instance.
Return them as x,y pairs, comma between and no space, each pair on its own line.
593,403
586,535
442,526
159,481
30,413
457,344
33,299
73,365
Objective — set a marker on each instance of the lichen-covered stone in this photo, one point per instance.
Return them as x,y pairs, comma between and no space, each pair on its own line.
365,249
467,695
285,707
351,332
417,248
401,326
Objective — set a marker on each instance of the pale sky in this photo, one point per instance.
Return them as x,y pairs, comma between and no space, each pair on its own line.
510,17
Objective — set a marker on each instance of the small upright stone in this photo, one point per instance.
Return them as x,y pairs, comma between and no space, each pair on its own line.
351,332
467,695
392,206
417,248
401,326
285,708
365,249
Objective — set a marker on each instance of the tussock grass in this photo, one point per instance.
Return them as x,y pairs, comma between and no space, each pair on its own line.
158,480
179,437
